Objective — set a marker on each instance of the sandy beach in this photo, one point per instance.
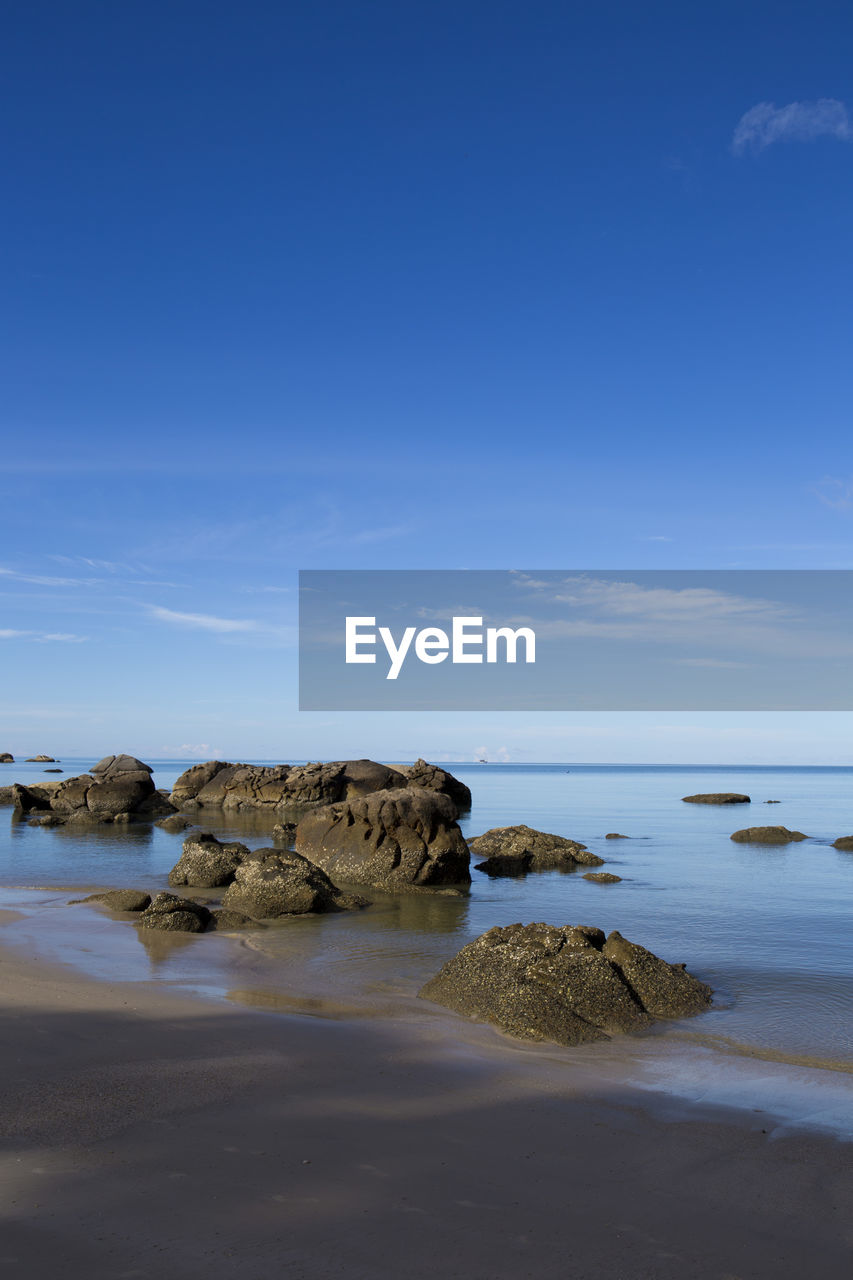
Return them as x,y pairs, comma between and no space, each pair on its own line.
148,1132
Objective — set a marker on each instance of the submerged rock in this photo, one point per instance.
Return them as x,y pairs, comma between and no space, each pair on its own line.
205,863
767,835
174,823
121,899
513,851
616,835
178,915
567,985
395,840
276,882
717,797
602,877
222,920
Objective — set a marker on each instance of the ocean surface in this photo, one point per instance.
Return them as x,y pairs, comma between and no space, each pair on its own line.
770,928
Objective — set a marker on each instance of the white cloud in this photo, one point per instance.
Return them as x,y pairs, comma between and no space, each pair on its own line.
835,492
202,621
43,637
766,123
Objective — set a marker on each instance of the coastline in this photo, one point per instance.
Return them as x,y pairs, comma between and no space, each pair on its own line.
148,1127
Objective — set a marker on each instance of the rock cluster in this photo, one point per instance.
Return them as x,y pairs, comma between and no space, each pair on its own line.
399,839
117,789
221,785
717,797
261,884
569,985
176,915
767,835
513,851
40,760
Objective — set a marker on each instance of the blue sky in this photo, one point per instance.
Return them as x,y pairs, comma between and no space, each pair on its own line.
423,285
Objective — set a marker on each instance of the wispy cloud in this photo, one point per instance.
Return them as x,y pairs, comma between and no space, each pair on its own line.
766,123
835,492
43,637
202,621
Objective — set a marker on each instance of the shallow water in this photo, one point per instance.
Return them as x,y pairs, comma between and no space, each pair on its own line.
767,927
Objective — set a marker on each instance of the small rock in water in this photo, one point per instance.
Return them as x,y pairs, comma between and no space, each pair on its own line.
602,877
616,835
121,899
844,843
717,797
178,915
513,851
767,835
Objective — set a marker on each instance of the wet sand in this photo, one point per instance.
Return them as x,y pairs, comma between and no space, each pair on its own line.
148,1132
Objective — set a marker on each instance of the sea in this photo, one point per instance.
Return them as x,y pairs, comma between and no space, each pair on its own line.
770,928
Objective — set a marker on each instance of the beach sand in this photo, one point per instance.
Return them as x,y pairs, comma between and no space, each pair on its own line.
148,1132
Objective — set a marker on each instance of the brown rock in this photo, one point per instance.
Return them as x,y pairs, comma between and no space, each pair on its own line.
511,851
275,882
767,835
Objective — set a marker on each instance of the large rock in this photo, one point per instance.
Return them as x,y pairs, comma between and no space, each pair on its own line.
566,985
433,778
118,788
27,799
275,882
40,760
177,915
845,843
219,784
205,863
513,851
717,797
395,840
767,835
6,757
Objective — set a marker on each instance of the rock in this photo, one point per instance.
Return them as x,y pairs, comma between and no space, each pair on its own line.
53,771
205,863
845,843
222,920
219,784
602,877
395,840
430,776
40,760
512,851
767,835
616,835
174,823
112,766
121,899
664,990
70,795
566,985
284,832
275,882
6,757
772,801
717,797
27,799
44,820
179,915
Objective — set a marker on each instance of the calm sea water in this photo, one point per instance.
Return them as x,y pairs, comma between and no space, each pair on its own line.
768,927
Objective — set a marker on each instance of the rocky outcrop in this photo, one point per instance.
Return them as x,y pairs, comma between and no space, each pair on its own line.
767,835
433,778
178,915
717,797
566,985
121,899
221,785
6,757
513,851
616,835
845,843
395,840
40,760
602,877
207,864
117,789
274,882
